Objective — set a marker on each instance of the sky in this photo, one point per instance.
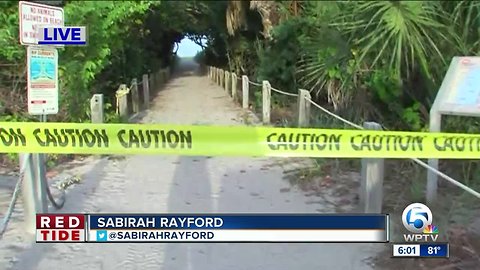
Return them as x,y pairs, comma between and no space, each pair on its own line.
188,48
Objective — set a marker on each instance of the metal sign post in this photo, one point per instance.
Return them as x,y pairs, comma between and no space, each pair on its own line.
42,87
459,95
42,177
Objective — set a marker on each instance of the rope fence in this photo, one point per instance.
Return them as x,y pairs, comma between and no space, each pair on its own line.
284,93
131,100
419,162
334,115
255,83
305,102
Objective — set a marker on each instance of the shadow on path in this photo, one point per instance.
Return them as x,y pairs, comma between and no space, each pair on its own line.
246,186
190,193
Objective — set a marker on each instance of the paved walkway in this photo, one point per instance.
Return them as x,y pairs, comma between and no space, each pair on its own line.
173,184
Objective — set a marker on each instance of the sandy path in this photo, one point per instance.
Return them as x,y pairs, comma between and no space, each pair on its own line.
184,184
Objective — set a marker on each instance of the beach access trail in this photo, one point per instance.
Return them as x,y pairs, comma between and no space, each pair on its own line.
174,184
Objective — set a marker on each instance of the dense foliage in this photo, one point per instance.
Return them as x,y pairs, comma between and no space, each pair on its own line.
380,60
125,40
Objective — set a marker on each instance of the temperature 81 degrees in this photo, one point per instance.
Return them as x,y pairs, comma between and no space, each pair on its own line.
434,250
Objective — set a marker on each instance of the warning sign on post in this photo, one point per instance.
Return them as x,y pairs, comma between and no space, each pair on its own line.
459,93
42,66
32,15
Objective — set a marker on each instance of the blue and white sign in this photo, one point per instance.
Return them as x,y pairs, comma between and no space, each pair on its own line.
42,80
64,35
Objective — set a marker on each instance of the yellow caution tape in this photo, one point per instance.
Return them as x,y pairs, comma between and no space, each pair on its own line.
65,138
123,92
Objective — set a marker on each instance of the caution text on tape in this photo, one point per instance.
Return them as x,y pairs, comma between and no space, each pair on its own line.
72,138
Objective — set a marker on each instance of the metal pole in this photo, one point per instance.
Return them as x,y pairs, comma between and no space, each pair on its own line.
432,178
41,178
30,200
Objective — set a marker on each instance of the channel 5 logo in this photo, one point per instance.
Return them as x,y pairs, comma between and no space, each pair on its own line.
417,218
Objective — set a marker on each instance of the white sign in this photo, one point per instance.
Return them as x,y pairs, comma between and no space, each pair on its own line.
42,82
31,15
459,93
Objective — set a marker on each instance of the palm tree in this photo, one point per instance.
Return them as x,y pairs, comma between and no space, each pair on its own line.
404,37
236,15
270,15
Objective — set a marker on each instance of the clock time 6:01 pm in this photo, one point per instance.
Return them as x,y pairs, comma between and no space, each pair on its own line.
406,250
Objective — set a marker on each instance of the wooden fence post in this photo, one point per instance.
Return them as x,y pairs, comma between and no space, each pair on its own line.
151,82
135,96
371,186
227,81
122,102
222,78
96,108
146,91
266,94
234,86
303,108
245,91
220,74
161,75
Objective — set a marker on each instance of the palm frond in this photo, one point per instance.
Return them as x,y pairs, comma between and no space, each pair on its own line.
465,18
392,27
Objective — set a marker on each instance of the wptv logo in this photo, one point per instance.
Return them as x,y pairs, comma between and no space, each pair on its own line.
417,219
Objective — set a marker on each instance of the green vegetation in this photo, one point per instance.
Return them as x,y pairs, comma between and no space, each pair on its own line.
370,60
123,42
379,61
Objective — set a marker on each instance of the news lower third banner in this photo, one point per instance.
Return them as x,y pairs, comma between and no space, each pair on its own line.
229,228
